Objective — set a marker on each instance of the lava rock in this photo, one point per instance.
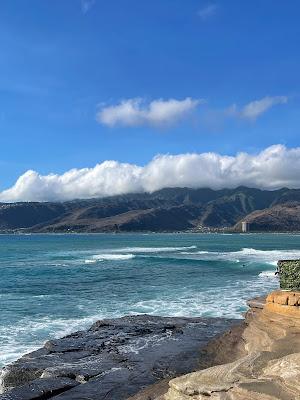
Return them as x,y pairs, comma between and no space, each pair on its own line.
40,389
114,359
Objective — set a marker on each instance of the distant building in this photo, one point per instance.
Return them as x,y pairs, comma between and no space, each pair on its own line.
245,226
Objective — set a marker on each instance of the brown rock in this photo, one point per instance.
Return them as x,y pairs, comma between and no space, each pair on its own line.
281,298
270,298
293,300
270,368
153,392
284,303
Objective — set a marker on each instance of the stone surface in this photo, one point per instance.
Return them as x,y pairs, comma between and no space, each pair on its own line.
257,302
114,359
223,348
41,389
267,368
153,392
284,302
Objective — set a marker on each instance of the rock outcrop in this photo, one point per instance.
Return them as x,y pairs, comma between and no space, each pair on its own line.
269,369
112,360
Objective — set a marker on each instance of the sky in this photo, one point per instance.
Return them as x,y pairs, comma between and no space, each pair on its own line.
106,97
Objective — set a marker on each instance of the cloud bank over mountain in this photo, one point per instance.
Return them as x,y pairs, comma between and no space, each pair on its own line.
272,168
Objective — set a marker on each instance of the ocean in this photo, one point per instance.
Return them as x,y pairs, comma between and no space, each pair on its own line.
52,285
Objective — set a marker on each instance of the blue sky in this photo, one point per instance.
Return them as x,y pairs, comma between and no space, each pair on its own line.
65,61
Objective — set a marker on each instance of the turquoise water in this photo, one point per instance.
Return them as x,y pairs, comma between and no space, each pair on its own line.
53,284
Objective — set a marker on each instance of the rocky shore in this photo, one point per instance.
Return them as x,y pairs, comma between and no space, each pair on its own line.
266,365
152,358
112,360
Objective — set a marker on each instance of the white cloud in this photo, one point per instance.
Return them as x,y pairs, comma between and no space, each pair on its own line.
86,5
207,11
272,168
137,112
256,108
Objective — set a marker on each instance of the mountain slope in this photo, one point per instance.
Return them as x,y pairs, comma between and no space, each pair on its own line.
279,218
170,209
158,219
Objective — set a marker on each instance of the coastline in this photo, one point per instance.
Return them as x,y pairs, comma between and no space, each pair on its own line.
152,233
168,283
82,365
266,365
164,359
135,350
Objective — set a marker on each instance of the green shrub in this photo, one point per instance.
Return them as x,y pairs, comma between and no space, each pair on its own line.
289,274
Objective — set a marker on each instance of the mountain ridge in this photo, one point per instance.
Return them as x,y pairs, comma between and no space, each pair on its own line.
168,209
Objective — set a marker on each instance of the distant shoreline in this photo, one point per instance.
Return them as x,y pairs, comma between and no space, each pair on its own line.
152,233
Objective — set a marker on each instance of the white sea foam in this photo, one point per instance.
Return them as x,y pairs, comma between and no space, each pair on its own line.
245,255
152,249
267,274
18,339
202,303
194,252
273,263
114,253
89,261
143,342
111,257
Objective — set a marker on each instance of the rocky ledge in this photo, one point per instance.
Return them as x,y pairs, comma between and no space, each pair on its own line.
112,360
265,364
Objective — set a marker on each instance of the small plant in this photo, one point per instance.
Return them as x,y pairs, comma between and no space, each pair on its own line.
289,274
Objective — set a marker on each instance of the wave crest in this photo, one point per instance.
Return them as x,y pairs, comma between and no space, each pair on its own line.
112,257
245,255
152,249
267,274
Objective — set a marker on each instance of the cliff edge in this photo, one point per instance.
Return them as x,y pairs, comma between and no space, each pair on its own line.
269,369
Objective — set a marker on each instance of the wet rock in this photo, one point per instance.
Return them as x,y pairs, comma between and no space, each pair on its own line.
39,389
114,359
257,302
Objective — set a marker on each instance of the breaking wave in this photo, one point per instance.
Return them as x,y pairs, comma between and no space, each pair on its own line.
110,257
152,249
267,274
246,255
29,334
164,275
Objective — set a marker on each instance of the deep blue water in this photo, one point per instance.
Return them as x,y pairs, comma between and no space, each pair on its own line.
53,284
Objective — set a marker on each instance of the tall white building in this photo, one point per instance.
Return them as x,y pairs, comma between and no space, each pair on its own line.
245,226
